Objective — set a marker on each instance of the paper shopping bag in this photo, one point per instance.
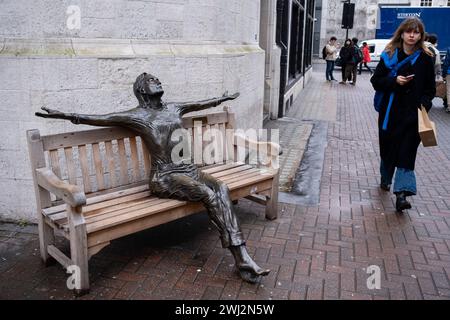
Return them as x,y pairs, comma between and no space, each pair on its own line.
427,129
441,89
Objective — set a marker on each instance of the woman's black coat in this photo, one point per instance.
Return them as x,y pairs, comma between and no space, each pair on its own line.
399,143
346,55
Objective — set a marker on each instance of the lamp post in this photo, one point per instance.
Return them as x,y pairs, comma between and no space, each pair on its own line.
346,26
346,34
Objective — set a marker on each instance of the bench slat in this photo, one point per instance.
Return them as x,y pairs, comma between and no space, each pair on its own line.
111,164
147,163
84,163
219,139
239,176
232,170
98,163
197,148
68,152
54,162
123,162
223,167
251,180
222,130
134,159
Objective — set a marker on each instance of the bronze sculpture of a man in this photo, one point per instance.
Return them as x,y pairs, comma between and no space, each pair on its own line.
155,120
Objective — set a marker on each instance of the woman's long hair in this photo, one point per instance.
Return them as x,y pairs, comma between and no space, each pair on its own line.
408,24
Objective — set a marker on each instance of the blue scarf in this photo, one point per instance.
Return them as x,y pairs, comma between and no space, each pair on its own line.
393,64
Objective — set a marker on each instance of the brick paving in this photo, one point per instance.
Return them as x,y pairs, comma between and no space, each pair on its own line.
315,252
294,134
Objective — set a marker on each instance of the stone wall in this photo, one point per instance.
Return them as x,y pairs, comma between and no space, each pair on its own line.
198,49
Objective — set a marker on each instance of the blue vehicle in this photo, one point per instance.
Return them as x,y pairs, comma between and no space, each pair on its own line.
436,20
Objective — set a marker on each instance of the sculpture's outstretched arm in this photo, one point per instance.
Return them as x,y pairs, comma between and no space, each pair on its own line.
105,120
205,104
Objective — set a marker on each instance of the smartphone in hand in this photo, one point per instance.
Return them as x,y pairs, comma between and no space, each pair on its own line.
410,76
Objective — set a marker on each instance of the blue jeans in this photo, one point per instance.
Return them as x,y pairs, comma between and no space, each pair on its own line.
404,180
330,68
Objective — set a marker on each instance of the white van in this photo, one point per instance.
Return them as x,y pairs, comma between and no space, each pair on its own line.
376,47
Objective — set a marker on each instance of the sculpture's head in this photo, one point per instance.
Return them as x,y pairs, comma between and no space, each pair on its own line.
147,87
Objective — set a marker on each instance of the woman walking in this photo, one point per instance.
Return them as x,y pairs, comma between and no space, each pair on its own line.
403,92
366,58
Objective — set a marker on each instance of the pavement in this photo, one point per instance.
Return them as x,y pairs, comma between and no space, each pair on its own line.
332,247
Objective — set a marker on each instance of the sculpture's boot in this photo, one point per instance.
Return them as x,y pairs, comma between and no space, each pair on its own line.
248,269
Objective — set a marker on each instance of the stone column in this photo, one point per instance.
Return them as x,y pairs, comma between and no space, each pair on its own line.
273,53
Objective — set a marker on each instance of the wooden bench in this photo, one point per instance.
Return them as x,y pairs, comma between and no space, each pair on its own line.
92,186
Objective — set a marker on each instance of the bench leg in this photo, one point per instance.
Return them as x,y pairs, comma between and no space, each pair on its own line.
272,201
46,238
79,249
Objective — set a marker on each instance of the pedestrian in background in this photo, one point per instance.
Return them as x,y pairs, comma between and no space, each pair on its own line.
431,43
346,58
331,51
355,60
407,90
446,74
366,58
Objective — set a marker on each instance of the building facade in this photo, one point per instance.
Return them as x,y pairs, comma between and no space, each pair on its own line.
84,56
287,42
365,18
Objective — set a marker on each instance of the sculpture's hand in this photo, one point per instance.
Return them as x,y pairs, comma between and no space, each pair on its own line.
226,96
55,114
234,96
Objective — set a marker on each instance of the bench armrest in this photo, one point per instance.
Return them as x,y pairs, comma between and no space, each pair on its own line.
71,194
272,149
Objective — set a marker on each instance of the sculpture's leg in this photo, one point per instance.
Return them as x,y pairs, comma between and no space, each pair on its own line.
221,209
215,197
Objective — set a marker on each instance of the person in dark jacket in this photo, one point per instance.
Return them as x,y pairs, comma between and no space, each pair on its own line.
346,59
413,86
354,61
